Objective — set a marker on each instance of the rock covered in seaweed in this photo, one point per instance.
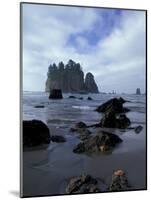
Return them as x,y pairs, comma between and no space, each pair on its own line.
101,142
82,184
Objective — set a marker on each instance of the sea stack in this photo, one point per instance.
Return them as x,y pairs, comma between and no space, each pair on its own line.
138,91
90,83
69,78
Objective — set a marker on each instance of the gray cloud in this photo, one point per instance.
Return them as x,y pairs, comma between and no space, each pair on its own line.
117,60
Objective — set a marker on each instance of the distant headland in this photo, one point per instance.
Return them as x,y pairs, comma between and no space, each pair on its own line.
70,79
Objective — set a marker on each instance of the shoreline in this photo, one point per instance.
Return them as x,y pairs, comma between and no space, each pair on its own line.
39,176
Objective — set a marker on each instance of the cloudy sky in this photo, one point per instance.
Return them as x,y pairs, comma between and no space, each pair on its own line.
109,43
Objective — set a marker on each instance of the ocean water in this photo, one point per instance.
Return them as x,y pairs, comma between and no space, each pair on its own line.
62,163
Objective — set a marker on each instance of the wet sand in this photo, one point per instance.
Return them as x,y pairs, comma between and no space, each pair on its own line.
47,172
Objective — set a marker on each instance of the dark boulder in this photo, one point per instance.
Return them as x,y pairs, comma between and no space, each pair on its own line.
58,138
119,181
55,94
89,98
114,104
81,98
72,97
35,133
82,185
138,129
39,106
101,142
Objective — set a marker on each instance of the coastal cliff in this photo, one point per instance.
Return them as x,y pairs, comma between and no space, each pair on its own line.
70,78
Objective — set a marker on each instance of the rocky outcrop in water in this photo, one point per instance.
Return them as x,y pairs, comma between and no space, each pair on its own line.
114,104
114,116
70,79
138,91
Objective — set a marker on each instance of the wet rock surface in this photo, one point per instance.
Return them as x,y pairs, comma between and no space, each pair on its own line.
82,184
35,133
114,104
101,142
119,181
138,129
111,120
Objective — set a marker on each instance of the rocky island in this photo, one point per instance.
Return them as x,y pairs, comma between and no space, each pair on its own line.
70,79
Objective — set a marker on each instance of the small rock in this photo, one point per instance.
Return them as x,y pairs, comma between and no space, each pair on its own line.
72,97
138,129
89,98
119,181
58,138
39,106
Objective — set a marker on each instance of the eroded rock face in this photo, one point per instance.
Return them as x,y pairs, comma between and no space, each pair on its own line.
90,83
119,181
55,94
101,142
82,184
35,133
69,78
